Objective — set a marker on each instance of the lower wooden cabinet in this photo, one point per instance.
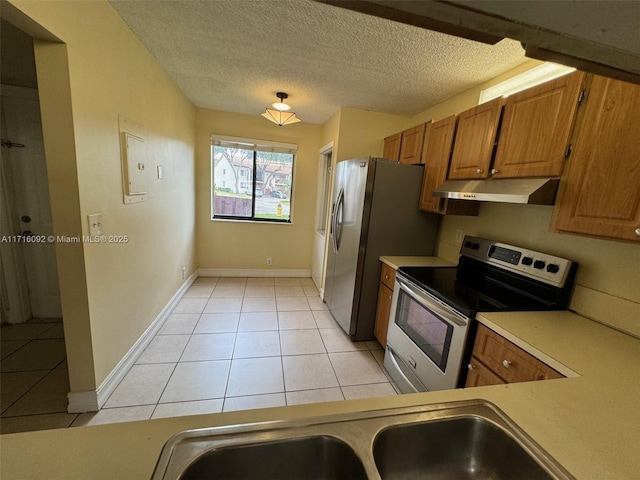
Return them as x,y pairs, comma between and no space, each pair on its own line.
479,375
496,360
383,310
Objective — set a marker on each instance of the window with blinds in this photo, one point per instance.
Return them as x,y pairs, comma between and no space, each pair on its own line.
251,180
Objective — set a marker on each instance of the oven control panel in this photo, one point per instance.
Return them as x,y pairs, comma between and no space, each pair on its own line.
539,266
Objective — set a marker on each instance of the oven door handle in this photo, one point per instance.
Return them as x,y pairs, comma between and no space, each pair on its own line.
434,305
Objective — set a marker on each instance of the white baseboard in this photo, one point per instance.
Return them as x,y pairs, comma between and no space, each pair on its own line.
252,272
92,401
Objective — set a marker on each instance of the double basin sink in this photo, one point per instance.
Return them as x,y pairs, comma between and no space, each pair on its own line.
458,440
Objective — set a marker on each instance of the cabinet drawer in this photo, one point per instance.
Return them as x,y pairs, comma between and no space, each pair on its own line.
507,360
388,276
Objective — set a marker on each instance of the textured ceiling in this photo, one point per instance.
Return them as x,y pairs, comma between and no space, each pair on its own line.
234,55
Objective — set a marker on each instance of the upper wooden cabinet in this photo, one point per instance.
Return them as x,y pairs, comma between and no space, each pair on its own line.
406,146
600,191
391,149
436,154
411,145
535,130
475,139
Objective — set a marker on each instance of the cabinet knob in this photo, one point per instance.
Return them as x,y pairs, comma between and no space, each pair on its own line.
506,363
386,277
493,171
478,171
637,232
471,366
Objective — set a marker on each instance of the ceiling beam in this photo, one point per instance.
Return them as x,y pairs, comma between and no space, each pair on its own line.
598,51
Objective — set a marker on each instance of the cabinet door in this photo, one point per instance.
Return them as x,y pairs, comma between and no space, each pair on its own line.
479,375
475,139
535,130
507,360
436,153
383,310
391,149
411,145
600,193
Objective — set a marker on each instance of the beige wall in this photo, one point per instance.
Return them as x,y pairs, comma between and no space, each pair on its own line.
127,285
246,245
361,132
608,279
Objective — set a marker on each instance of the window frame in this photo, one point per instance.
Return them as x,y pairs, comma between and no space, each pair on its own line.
255,146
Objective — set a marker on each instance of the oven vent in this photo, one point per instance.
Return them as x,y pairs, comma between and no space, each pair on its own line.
536,191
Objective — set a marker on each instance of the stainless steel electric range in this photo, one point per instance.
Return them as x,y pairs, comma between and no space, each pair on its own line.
433,307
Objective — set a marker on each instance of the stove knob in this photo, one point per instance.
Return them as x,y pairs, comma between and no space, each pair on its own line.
527,260
553,268
475,246
539,264
467,244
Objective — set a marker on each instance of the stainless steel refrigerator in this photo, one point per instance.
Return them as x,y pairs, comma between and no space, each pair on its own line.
374,212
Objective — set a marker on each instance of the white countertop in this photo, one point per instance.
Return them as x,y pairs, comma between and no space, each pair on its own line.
589,423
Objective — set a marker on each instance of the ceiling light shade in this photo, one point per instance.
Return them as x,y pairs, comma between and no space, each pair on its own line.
279,114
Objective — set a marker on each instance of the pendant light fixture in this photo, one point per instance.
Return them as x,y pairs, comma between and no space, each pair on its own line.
280,114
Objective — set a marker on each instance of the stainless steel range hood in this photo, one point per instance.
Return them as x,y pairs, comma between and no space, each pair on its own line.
537,191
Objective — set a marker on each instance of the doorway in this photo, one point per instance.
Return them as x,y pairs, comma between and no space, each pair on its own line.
323,212
28,262
34,373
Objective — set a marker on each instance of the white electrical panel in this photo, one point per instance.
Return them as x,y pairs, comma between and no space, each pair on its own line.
134,160
136,180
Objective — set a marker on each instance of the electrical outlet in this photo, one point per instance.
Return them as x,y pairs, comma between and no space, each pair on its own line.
95,224
269,261
459,236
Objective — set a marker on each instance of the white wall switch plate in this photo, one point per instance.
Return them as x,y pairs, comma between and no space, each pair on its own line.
159,172
95,224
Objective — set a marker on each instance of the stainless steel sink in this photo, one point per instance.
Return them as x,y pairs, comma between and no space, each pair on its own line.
457,440
309,457
459,448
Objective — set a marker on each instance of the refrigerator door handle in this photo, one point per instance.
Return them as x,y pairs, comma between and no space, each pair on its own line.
337,236
332,229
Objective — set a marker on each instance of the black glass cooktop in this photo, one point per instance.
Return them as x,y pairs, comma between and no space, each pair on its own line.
471,290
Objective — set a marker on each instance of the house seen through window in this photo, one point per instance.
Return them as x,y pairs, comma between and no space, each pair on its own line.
251,179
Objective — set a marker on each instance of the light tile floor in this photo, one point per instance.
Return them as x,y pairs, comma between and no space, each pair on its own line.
230,344
34,380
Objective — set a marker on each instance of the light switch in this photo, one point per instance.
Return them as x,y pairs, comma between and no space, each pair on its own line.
95,224
159,172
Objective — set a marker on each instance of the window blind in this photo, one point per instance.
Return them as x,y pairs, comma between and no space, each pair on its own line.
253,145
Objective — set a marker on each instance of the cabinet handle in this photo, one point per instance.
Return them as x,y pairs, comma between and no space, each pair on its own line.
471,366
478,171
493,171
386,277
506,363
637,232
